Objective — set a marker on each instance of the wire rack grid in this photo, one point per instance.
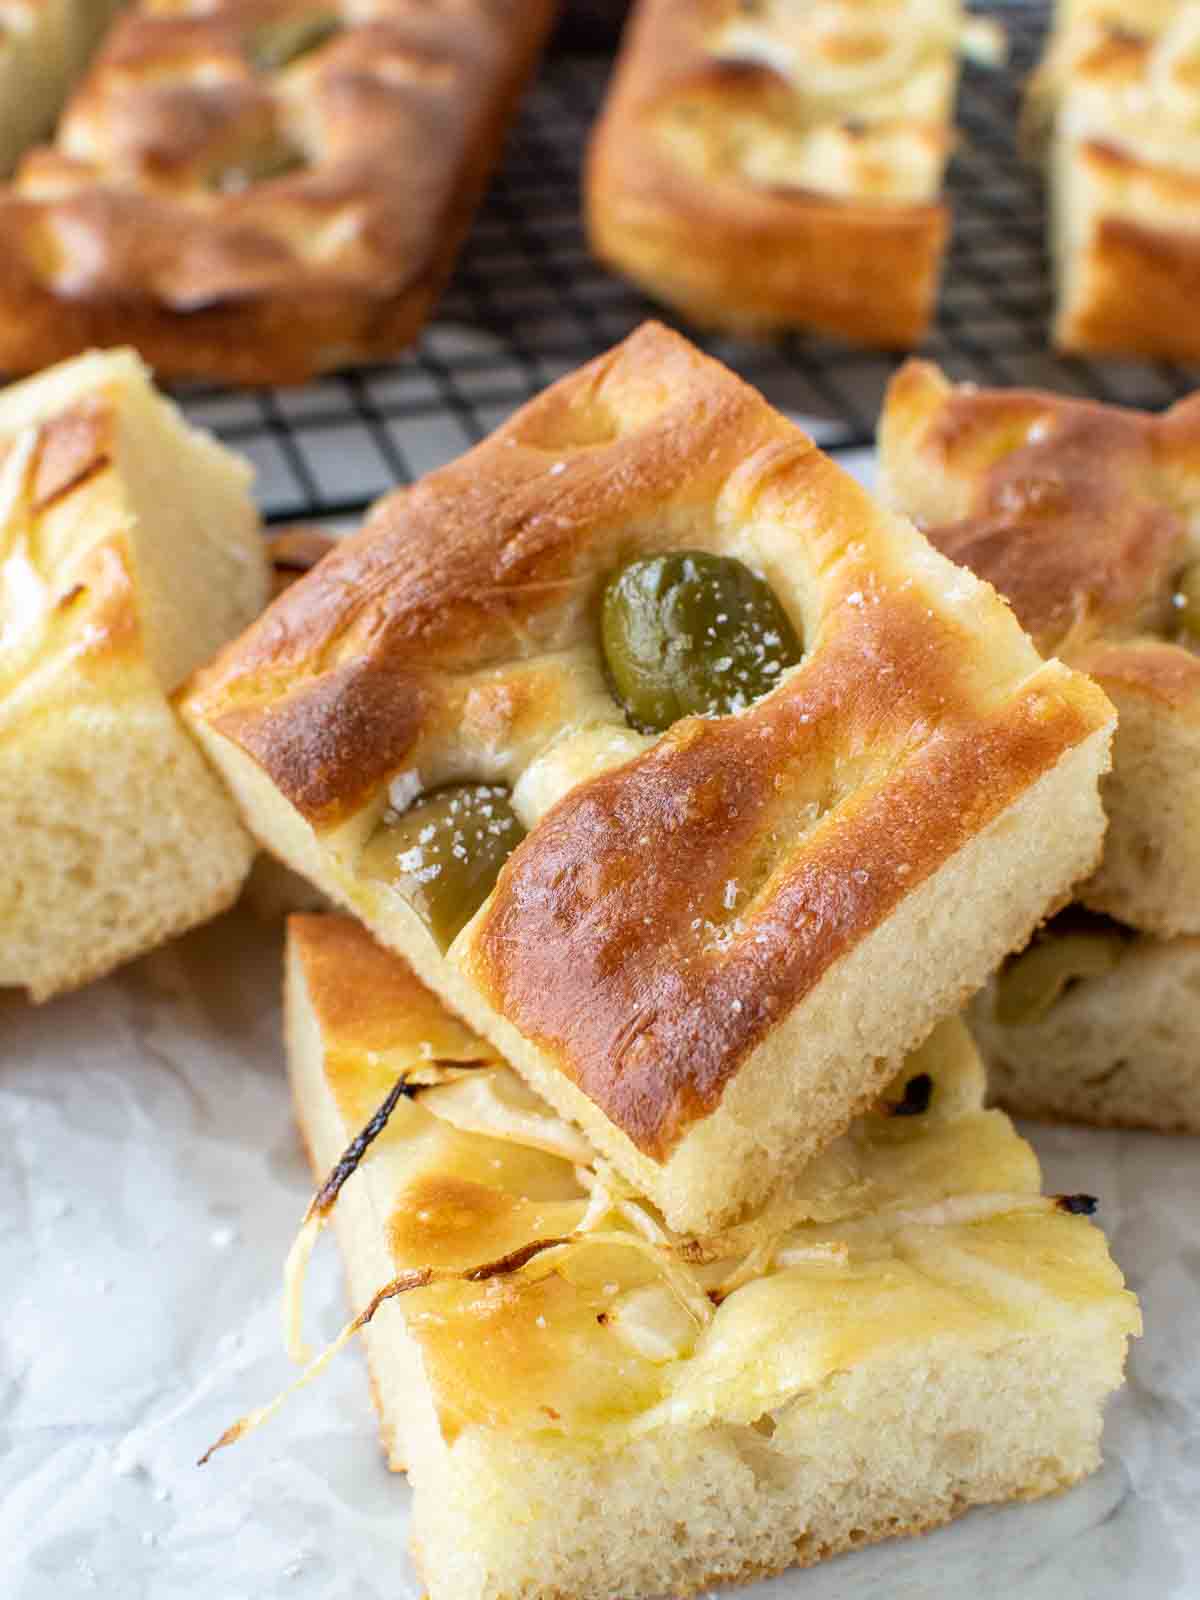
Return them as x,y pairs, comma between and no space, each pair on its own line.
528,303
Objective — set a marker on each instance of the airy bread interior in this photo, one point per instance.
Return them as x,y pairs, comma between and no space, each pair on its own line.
1120,1050
132,551
931,1345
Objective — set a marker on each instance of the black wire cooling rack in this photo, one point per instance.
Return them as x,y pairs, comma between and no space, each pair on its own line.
528,303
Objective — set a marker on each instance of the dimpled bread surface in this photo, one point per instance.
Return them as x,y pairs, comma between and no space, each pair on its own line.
256,190
811,141
715,945
131,551
1084,516
944,1338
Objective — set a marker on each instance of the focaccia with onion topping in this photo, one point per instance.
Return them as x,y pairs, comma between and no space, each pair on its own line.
693,780
760,165
629,1413
1116,105
129,550
257,190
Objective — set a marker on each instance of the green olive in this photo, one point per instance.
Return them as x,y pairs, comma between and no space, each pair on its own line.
276,44
445,852
692,634
1186,600
1030,984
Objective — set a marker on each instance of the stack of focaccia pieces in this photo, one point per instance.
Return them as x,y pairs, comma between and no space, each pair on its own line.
808,140
683,792
1087,518
1116,105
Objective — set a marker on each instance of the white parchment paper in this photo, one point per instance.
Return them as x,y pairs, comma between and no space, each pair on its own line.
150,1183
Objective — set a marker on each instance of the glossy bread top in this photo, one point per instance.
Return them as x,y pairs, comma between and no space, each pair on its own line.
676,896
1082,515
609,1336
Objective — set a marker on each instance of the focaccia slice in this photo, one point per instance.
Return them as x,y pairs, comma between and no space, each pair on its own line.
630,1414
716,939
129,551
257,190
764,165
1117,103
1087,518
1096,1023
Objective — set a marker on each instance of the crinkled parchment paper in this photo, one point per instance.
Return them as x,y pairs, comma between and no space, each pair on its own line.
150,1184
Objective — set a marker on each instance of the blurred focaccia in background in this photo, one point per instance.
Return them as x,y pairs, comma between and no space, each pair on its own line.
1087,518
256,190
1115,106
129,551
761,165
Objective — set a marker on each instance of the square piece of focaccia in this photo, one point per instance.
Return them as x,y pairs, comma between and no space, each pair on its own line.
1088,519
256,190
762,165
695,781
129,550
1116,103
631,1413
44,46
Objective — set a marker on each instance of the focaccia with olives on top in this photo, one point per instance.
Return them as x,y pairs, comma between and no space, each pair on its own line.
692,779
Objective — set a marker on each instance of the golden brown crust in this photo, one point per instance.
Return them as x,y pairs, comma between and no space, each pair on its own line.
911,725
1065,505
331,689
144,224
866,269
365,999
1119,90
653,1033
1085,517
1143,289
1077,512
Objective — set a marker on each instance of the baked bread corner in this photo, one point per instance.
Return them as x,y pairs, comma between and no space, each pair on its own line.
254,191
131,551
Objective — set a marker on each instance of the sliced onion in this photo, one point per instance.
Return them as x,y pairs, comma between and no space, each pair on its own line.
489,1103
